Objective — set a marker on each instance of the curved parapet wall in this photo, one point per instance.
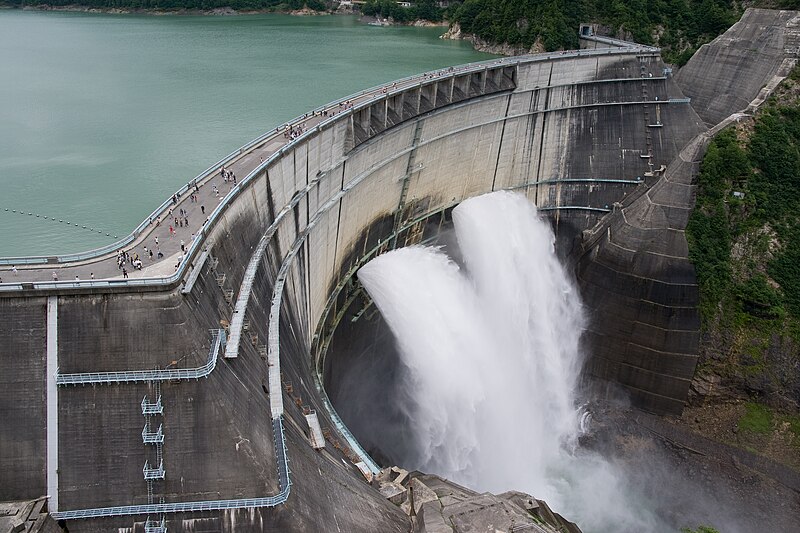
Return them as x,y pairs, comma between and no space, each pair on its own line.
576,132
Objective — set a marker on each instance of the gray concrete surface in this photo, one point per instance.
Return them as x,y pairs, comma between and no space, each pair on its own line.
533,124
724,76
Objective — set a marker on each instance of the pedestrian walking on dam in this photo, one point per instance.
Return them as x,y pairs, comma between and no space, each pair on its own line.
124,273
183,246
55,276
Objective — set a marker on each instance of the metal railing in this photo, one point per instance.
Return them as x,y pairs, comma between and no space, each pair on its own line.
150,473
150,437
23,260
284,481
133,376
154,526
152,408
153,473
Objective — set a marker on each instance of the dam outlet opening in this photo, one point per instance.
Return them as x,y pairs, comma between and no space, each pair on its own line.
459,354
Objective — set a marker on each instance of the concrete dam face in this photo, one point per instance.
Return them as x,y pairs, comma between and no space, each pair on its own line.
199,397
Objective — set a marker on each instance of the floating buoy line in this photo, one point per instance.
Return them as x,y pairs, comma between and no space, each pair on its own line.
61,221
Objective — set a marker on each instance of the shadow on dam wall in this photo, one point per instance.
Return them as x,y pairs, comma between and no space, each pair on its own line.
596,139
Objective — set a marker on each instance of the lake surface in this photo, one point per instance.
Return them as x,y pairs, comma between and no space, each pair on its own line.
102,117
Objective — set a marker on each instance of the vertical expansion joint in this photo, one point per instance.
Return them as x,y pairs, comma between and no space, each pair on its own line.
411,167
540,157
645,107
500,147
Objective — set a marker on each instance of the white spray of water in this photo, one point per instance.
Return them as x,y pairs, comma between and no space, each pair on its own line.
491,360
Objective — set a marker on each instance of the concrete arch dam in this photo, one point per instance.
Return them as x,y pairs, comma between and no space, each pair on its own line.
128,403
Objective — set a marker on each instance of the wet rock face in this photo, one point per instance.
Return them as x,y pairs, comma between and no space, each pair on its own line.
734,368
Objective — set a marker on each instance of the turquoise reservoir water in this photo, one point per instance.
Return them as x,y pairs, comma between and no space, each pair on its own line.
102,117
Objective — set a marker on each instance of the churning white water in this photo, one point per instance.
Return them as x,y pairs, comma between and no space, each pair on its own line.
490,359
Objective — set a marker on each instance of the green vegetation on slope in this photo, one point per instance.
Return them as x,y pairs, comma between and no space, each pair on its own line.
678,26
747,249
744,240
757,418
768,431
420,9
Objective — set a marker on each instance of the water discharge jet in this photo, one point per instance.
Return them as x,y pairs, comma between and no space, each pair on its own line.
490,358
